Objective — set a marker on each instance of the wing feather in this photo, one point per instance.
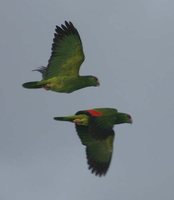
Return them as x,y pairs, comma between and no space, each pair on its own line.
67,52
98,151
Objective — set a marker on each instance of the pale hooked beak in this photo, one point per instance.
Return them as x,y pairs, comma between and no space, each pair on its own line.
98,83
131,121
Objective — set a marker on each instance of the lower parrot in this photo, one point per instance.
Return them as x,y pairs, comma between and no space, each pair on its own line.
95,130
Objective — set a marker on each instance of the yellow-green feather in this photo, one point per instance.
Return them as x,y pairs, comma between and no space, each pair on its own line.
67,55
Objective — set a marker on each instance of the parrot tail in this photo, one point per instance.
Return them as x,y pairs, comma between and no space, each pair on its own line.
70,119
77,119
32,85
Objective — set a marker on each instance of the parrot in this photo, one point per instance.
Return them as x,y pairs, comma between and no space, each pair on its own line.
62,72
95,130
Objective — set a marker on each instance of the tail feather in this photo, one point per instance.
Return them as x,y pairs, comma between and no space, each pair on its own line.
32,85
78,119
59,118
68,118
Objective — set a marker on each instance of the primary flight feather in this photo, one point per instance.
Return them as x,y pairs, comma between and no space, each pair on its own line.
62,71
95,129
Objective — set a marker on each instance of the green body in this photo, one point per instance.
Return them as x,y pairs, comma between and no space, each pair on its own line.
95,129
62,71
65,84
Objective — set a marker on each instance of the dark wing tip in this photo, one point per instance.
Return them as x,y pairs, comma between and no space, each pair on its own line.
62,31
65,29
59,30
97,168
68,24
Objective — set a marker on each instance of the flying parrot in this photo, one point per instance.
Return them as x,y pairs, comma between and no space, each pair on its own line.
95,130
62,71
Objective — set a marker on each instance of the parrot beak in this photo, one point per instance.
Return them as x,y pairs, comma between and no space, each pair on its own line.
98,83
130,119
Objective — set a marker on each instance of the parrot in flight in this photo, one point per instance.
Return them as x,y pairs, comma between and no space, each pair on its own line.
62,71
95,130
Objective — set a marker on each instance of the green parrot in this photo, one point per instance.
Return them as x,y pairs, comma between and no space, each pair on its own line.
62,71
95,129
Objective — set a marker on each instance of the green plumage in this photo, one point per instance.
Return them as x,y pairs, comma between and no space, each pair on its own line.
62,71
95,130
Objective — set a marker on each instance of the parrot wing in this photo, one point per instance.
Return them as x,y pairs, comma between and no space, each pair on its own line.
67,52
98,151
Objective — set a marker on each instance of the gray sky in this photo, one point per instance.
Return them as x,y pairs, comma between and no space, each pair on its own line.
129,46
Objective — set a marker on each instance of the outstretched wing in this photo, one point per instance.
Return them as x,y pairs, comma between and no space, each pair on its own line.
67,52
98,151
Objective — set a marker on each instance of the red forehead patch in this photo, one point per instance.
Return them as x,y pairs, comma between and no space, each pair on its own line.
94,113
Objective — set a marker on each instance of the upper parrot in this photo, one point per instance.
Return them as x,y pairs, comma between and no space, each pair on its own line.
95,129
62,71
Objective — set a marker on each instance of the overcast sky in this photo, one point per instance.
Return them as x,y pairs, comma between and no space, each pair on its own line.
129,46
